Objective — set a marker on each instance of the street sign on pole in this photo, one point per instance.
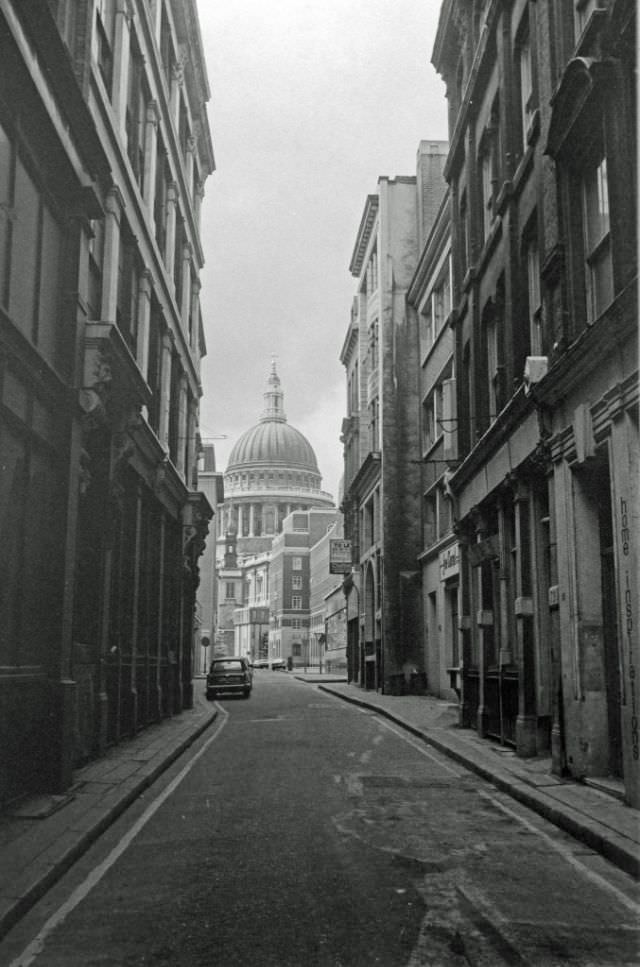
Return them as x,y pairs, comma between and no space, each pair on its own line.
339,557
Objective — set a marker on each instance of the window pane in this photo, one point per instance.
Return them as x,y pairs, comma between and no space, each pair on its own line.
601,281
13,498
24,251
50,325
5,207
596,200
41,593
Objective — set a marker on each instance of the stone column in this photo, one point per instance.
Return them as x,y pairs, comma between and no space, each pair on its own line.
114,208
252,520
144,316
195,315
151,155
197,202
526,722
165,383
156,18
121,60
170,239
192,423
177,80
192,145
186,287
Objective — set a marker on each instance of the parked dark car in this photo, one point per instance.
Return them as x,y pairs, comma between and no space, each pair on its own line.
230,675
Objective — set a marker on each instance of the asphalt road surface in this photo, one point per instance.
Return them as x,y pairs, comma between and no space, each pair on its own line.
300,831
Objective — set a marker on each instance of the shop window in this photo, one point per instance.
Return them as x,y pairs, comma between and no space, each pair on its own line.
453,633
30,525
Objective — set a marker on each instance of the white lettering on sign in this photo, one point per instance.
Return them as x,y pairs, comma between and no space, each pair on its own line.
449,562
339,557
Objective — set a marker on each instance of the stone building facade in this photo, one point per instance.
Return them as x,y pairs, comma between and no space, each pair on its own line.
104,150
542,174
380,433
430,305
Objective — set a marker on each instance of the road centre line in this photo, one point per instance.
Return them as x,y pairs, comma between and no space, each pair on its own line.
29,954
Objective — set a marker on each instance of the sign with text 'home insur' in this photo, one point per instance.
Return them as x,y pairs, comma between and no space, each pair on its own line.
339,557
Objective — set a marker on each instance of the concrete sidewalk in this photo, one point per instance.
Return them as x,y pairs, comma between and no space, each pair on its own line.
592,815
43,836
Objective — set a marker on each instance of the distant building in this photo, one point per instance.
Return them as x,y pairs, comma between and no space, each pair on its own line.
104,151
272,473
211,484
291,577
382,478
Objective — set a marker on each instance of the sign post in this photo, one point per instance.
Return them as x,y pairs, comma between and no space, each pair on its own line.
340,557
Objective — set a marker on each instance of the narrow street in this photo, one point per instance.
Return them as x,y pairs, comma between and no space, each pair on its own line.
302,831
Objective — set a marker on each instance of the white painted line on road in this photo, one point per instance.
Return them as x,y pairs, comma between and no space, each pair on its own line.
565,851
28,956
420,748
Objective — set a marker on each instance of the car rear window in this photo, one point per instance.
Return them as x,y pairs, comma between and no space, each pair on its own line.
230,665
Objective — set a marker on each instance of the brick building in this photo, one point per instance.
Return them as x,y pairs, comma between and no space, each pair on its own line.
104,150
542,174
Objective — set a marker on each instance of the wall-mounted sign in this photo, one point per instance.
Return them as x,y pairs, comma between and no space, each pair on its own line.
339,557
449,562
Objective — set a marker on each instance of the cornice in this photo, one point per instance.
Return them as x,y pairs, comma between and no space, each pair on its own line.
364,234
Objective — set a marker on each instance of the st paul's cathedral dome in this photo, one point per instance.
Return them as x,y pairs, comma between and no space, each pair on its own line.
272,471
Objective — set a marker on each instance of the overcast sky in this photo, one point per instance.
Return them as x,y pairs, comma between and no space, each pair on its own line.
310,103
